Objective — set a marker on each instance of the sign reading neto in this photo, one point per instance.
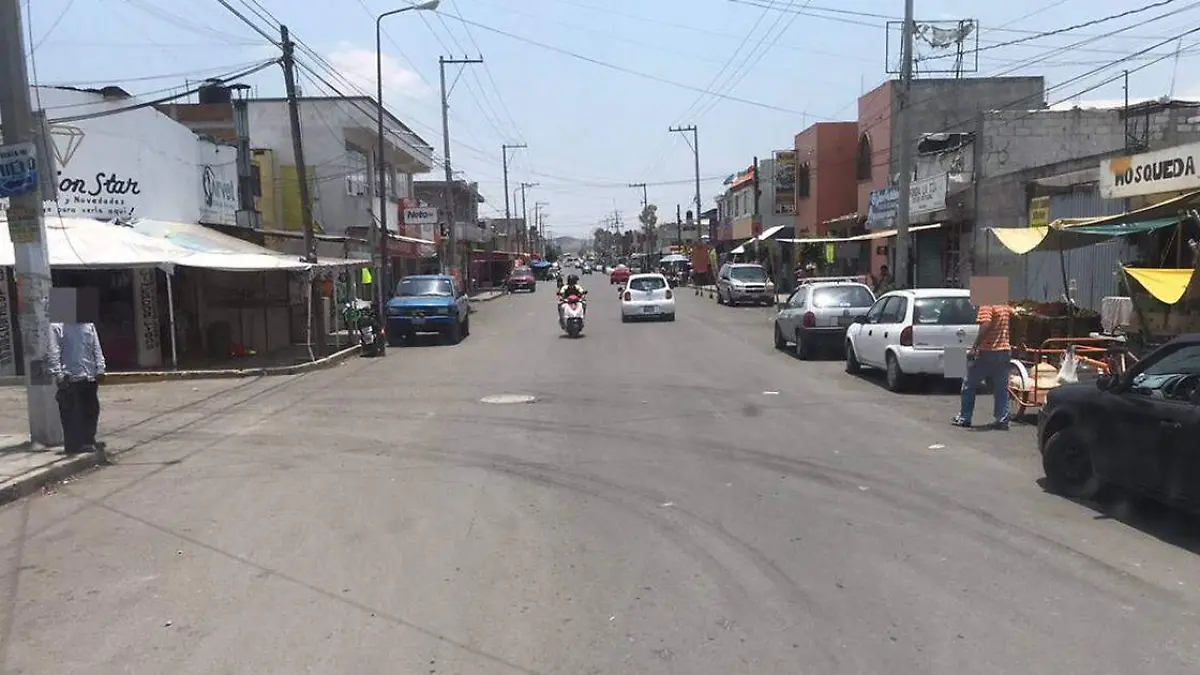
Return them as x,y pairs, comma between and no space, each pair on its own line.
1169,170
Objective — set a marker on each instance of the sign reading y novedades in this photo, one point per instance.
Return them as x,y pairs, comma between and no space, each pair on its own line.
1170,170
927,195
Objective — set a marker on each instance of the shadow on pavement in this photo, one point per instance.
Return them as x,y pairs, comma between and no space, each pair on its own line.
1163,522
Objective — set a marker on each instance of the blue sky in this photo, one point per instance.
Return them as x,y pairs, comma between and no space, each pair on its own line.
593,85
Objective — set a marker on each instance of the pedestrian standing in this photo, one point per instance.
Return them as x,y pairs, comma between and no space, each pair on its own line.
76,361
989,358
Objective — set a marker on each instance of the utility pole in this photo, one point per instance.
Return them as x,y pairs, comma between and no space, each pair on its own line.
679,226
645,198
756,216
317,332
448,195
507,211
27,229
902,272
528,235
712,234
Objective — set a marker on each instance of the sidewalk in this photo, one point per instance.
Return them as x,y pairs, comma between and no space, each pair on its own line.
130,416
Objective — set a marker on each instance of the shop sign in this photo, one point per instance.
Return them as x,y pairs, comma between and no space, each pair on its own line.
927,195
18,169
420,216
881,208
218,184
1170,170
1039,212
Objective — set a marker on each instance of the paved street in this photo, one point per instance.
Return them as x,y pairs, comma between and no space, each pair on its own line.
680,498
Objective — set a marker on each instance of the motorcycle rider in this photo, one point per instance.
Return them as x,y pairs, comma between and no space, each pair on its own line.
572,287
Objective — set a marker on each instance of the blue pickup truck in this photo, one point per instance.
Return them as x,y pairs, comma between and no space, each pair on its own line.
428,303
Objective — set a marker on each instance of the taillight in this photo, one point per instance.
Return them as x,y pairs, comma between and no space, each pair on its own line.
628,296
669,296
810,320
906,337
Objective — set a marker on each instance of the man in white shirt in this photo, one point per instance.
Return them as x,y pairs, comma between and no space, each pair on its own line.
76,361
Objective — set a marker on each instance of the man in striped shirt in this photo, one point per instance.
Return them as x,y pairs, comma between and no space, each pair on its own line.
989,361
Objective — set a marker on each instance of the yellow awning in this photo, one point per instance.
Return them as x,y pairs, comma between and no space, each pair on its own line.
1166,285
1021,240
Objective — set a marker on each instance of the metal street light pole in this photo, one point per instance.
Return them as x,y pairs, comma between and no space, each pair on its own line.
525,217
380,165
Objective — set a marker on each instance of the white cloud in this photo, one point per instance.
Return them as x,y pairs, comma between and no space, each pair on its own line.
358,66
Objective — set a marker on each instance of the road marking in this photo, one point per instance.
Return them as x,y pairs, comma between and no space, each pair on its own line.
508,399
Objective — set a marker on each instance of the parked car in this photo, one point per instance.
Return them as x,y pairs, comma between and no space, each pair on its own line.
428,303
619,275
521,279
818,313
739,283
647,296
1137,431
906,333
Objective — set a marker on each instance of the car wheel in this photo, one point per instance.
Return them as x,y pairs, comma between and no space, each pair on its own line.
624,318
720,298
897,381
853,367
1068,466
780,342
466,329
670,317
454,335
804,349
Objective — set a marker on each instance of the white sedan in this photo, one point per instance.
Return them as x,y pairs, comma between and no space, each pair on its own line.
647,296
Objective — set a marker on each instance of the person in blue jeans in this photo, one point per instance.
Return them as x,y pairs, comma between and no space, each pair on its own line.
990,356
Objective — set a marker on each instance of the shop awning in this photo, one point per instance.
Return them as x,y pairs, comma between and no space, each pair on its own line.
411,240
92,244
881,234
741,248
1166,285
210,249
771,232
1067,234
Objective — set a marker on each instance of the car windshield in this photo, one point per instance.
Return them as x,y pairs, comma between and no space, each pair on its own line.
943,312
647,283
424,287
522,272
842,296
753,273
1179,363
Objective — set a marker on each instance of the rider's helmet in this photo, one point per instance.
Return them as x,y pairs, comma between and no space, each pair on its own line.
572,279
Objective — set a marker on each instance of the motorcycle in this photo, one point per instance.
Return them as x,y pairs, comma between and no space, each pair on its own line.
360,316
573,312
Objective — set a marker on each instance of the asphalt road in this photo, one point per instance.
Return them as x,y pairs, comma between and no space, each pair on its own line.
680,498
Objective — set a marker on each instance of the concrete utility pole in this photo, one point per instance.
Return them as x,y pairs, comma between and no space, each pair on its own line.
528,236
902,273
696,156
27,229
507,211
679,226
645,198
448,195
316,309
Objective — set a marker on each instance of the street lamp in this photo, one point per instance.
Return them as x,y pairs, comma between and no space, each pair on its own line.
380,169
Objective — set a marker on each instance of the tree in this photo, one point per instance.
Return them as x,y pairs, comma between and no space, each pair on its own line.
649,218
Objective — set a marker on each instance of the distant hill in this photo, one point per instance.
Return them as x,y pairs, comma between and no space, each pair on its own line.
570,244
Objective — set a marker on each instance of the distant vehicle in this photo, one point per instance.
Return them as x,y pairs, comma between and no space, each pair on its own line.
521,279
906,333
1137,431
428,303
818,313
739,283
647,296
587,268
619,275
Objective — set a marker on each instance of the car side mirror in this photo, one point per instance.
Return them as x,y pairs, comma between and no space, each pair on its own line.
860,319
780,306
1106,382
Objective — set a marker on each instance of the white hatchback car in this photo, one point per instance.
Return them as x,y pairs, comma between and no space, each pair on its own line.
907,332
647,296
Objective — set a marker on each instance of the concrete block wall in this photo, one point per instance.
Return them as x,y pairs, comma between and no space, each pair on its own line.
1017,140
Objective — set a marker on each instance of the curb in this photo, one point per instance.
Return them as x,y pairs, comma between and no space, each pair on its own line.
32,481
494,297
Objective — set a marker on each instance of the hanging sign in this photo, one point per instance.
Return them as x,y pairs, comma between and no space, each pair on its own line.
18,169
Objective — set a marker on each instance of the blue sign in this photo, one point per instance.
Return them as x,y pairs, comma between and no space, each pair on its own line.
18,169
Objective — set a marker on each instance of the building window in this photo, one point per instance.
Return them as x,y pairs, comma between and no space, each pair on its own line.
803,181
864,159
356,169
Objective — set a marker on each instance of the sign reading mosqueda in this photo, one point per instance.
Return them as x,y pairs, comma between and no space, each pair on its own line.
1170,170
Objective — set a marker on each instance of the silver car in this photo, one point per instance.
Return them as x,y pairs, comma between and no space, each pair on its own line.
739,283
817,315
